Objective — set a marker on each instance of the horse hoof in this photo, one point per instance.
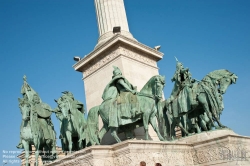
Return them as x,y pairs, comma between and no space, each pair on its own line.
217,127
173,138
162,139
148,140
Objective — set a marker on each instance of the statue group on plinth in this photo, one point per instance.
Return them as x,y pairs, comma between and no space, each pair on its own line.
193,105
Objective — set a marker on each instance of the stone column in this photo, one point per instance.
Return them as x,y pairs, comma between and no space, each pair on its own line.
137,61
111,13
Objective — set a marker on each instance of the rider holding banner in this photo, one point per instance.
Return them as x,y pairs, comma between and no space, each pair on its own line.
183,79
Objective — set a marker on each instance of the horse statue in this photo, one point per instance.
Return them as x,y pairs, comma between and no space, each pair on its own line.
70,112
36,127
208,95
33,132
114,116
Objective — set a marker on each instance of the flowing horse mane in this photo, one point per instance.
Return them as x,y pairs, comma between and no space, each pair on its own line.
218,74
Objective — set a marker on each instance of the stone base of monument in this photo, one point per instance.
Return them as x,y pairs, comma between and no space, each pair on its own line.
219,147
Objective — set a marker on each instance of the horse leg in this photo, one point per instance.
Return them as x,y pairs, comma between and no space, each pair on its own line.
183,129
167,127
102,132
219,123
80,140
37,145
178,122
197,127
184,118
209,126
145,123
204,102
52,148
26,148
70,142
172,129
202,122
114,133
153,123
80,144
185,125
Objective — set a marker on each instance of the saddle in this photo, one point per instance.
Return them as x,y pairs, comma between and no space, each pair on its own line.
126,97
127,105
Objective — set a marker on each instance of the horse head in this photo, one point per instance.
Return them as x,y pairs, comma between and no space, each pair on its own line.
222,78
160,83
225,81
25,108
64,105
154,86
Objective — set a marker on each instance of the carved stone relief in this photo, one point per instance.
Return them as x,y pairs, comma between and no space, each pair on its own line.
108,56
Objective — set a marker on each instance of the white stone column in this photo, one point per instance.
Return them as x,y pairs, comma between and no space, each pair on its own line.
111,13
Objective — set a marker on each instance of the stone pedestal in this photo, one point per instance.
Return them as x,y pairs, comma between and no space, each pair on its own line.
220,148
137,62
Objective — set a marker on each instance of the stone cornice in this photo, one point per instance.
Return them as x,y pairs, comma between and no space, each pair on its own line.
114,53
154,54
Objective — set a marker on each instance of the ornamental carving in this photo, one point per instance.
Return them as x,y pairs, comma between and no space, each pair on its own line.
108,56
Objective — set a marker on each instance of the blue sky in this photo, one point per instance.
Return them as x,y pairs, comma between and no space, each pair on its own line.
40,37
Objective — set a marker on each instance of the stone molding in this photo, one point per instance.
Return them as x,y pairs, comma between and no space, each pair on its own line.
83,64
114,53
105,37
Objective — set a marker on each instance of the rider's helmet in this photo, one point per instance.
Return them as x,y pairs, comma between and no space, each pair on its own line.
116,71
179,65
69,94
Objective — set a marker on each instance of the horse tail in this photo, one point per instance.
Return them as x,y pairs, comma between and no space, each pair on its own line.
93,126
